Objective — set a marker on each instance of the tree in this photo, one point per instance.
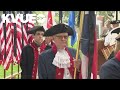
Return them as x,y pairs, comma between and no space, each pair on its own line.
107,14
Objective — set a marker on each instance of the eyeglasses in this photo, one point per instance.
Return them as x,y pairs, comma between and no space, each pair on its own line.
40,34
61,37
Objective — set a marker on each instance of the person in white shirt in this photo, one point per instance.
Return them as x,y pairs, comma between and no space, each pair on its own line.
110,38
59,62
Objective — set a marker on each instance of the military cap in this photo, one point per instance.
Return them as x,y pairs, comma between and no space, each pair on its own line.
116,30
59,28
115,22
35,29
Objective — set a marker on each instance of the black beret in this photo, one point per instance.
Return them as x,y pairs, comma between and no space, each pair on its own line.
59,28
117,30
35,29
115,22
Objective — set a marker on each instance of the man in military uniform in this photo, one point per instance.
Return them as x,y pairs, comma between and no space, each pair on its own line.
117,44
30,53
59,61
111,68
110,38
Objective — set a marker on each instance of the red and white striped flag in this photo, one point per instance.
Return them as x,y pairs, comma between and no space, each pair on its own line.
18,40
8,47
2,43
30,25
25,37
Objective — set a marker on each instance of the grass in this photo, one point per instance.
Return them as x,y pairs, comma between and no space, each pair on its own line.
9,71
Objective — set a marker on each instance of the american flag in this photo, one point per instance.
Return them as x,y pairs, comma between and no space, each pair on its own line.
29,25
2,42
7,41
22,38
6,44
18,40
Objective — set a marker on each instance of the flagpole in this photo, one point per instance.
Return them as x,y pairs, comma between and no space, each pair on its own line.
13,12
79,38
4,28
116,15
60,16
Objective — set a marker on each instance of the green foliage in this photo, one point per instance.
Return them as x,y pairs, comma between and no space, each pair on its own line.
106,14
69,44
56,18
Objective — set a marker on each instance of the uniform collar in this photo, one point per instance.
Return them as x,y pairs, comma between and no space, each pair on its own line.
117,56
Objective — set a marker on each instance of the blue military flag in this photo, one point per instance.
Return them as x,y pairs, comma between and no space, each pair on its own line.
71,23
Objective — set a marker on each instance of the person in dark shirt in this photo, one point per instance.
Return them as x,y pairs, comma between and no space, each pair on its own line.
30,53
